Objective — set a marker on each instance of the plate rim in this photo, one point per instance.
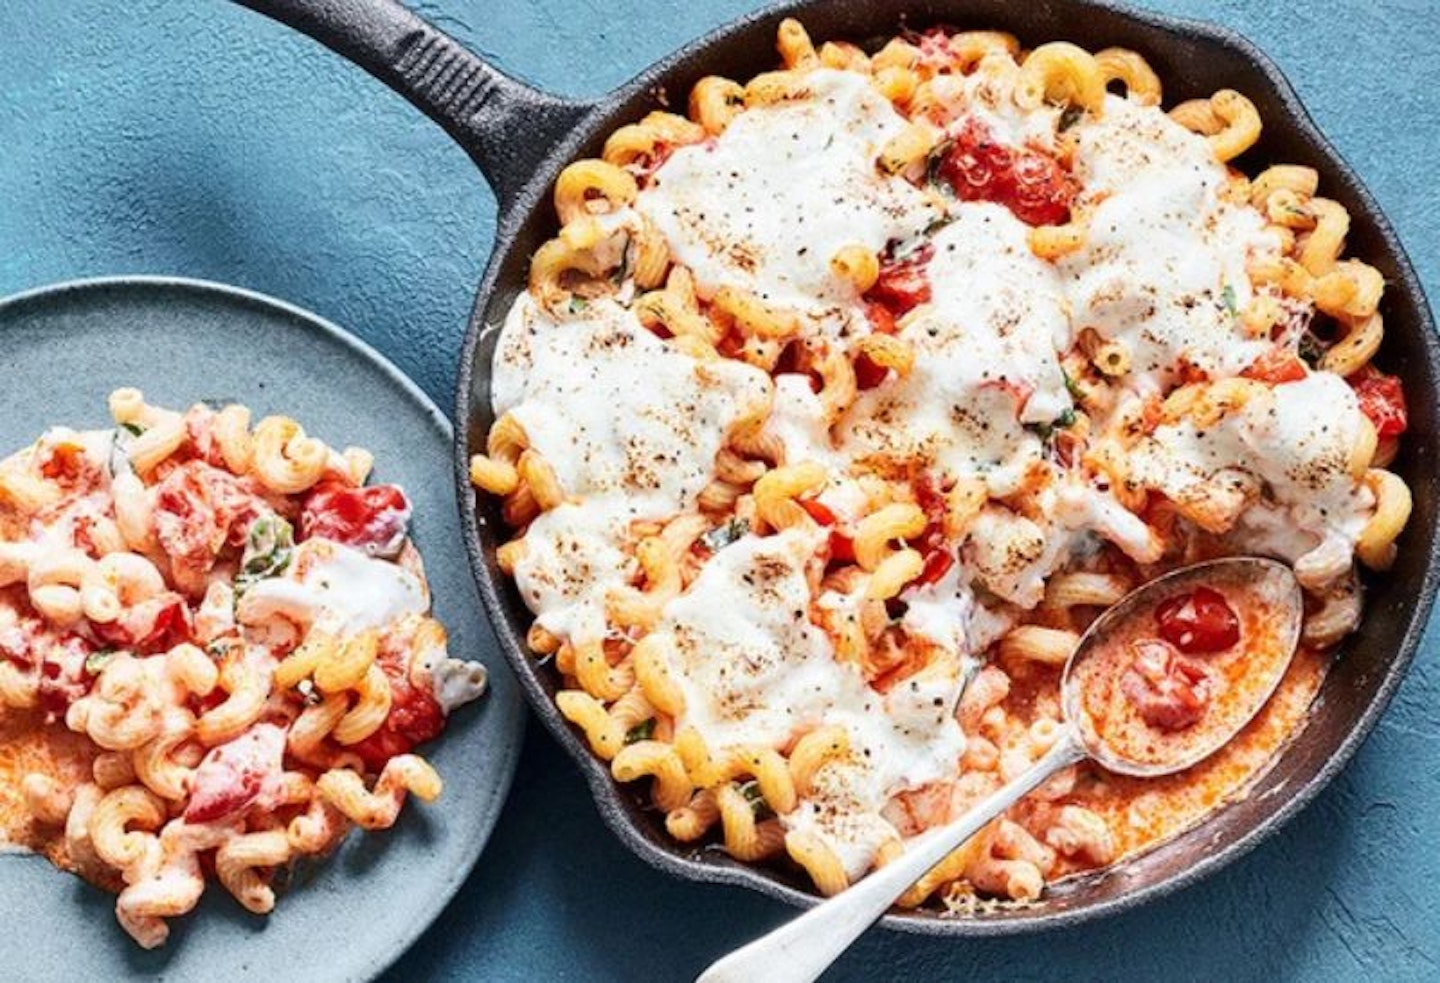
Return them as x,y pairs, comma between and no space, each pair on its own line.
517,712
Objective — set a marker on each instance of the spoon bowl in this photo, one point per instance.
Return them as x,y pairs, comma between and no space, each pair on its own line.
1269,583
801,949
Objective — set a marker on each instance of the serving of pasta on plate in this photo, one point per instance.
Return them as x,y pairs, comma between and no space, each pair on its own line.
840,406
216,655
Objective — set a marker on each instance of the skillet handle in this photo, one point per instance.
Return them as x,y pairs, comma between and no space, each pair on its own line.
505,126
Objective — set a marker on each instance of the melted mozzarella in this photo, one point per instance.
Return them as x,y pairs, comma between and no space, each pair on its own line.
755,670
1163,269
629,424
612,408
1296,443
573,558
767,204
988,95
986,360
1011,555
337,586
751,664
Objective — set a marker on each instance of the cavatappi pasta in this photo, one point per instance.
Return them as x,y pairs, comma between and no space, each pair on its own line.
837,410
215,653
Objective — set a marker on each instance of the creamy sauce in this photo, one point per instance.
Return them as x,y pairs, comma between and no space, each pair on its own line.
766,205
336,586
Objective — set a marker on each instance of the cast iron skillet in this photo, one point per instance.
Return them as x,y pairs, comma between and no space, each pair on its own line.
521,138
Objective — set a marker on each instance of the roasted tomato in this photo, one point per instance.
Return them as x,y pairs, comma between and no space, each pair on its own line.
1382,399
199,510
1200,621
1276,366
902,285
1168,691
937,565
868,375
415,715
842,547
154,625
234,775
882,321
1031,183
374,519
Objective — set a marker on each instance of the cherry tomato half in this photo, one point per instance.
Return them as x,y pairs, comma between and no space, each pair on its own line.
373,519
1276,366
842,547
1168,691
1032,184
1382,399
1201,621
902,284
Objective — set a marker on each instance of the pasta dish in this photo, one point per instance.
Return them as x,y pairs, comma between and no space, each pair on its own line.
839,407
216,654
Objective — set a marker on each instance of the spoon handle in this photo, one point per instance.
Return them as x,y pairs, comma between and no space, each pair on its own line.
800,950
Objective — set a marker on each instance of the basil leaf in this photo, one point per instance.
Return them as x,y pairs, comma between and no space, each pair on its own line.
268,550
1073,387
1227,297
642,731
722,536
95,662
134,428
753,795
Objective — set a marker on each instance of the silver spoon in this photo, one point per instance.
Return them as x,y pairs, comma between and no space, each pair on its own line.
800,950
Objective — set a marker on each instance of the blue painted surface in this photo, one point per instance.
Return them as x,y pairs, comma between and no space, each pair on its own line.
198,139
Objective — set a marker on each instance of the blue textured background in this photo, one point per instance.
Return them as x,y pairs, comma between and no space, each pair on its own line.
194,138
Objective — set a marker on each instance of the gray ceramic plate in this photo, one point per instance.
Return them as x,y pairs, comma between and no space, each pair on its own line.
65,348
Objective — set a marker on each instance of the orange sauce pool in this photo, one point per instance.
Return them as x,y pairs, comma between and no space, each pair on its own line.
1240,678
1143,812
27,746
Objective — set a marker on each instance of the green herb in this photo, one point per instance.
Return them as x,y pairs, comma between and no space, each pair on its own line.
578,304
134,428
722,536
1227,297
623,270
1310,349
96,661
268,550
1071,116
933,162
1073,387
753,795
217,648
642,731
1045,431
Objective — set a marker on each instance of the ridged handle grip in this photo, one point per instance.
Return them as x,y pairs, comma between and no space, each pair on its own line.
507,127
